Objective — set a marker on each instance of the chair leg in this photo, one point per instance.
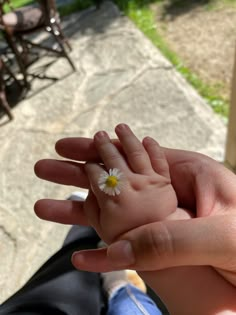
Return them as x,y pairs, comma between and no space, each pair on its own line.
3,99
21,65
60,39
9,71
5,105
62,36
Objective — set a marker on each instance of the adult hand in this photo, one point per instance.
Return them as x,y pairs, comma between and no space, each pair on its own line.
202,185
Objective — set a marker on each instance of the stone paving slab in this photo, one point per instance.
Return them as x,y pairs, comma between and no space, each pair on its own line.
121,77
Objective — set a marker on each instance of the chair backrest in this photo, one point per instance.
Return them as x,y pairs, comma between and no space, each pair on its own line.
3,3
49,9
1,76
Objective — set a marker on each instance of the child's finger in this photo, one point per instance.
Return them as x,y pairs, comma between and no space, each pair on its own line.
80,149
92,211
93,172
157,157
137,156
110,155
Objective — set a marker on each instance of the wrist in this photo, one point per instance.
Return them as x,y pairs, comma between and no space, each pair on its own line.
193,290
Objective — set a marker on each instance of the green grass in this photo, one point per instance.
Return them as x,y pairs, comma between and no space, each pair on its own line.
74,6
126,5
64,10
144,18
17,4
218,4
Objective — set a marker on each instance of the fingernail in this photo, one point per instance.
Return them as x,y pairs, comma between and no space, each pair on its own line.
78,259
122,127
149,140
101,134
121,254
101,137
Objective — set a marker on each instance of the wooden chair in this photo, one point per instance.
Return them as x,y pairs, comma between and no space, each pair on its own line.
3,98
18,24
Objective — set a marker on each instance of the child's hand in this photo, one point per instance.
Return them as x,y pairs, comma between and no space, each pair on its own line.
146,194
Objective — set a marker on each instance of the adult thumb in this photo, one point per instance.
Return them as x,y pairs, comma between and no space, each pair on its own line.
200,241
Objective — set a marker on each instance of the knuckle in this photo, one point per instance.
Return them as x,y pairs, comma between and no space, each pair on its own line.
230,235
138,157
136,153
111,156
161,244
227,241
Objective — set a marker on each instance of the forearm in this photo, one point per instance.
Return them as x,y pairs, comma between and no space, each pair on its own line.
193,290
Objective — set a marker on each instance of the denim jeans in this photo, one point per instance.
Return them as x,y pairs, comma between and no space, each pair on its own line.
129,300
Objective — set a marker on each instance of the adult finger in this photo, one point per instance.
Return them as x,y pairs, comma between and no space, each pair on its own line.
161,245
80,149
157,157
135,153
110,155
61,211
83,149
94,260
62,172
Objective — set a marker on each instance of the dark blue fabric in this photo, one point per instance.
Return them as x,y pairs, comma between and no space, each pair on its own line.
58,288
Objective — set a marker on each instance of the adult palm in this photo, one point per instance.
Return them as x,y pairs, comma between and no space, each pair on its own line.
206,243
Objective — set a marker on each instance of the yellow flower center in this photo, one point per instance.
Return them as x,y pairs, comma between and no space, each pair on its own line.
111,181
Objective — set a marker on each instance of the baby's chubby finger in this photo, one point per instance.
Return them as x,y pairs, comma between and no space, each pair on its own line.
157,157
92,211
110,155
93,172
80,149
135,152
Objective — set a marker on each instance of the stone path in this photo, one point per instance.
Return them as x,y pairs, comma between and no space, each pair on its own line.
120,77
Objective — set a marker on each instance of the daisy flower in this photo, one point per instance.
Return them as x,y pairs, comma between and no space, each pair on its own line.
110,183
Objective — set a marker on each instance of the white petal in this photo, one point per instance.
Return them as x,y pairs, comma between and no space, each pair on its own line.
102,186
117,190
102,179
111,191
115,171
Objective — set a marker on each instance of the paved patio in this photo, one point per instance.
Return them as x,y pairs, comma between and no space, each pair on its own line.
120,77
